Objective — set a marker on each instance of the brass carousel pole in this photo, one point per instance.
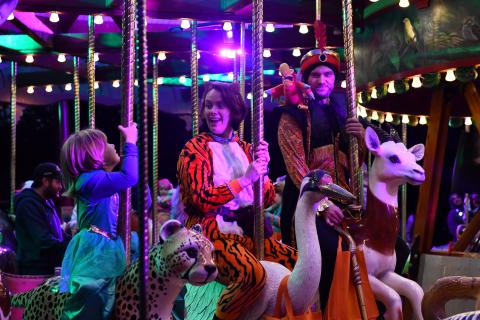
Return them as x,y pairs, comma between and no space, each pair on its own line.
76,92
154,148
128,64
257,116
403,190
243,57
13,133
194,76
91,72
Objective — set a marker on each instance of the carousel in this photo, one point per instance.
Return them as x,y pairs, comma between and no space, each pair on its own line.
408,71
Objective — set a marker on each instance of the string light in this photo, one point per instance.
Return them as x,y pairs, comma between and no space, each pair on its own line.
450,75
48,88
98,19
343,84
61,57
391,87
296,52
360,99
230,76
206,77
30,89
68,87
363,112
389,117
423,120
267,53
373,0
159,81
54,17
135,83
198,55
96,57
265,95
249,96
10,17
162,56
405,119
227,26
29,59
182,79
375,115
303,29
96,85
270,27
116,83
416,82
230,34
374,93
0,59
404,3
185,24
468,121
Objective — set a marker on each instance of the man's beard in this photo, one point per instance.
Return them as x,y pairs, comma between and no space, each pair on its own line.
51,193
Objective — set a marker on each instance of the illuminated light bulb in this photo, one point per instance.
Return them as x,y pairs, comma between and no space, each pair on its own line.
10,17
405,119
206,77
303,29
416,82
61,57
270,27
162,56
343,84
116,83
373,0
374,93
159,81
391,87
182,79
30,89
135,83
423,120
249,96
375,115
96,85
239,52
96,57
98,19
360,99
48,88
68,87
389,117
29,59
468,121
198,55
296,52
54,17
450,75
230,34
227,26
265,95
404,3
230,76
0,59
185,24
267,53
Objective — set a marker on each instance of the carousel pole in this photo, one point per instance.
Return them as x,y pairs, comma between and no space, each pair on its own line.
91,72
13,133
403,190
243,57
154,148
142,120
194,76
128,63
257,116
76,93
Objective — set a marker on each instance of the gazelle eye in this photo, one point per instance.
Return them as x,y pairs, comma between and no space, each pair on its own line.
192,253
394,159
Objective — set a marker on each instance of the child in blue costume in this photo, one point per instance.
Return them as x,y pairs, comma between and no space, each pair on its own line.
96,255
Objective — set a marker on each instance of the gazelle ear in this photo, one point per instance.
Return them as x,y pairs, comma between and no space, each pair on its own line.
169,228
418,151
372,141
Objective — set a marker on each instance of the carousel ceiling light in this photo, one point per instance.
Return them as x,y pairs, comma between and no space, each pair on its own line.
239,52
405,119
373,0
162,56
468,121
54,17
230,34
135,83
96,85
270,27
116,83
61,57
182,79
267,53
374,93
185,24
227,53
416,82
206,77
423,120
230,76
249,96
391,87
68,87
404,3
96,57
360,99
375,115
364,112
0,59
450,75
296,52
198,55
10,17
48,88
227,26
303,29
30,89
343,84
98,19
389,117
159,81
265,95
29,58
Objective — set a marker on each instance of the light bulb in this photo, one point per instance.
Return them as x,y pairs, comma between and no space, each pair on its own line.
198,55
343,84
159,81
303,29
267,53
30,89
468,121
375,115
416,82
61,57
162,56
135,83
362,112
185,24
116,83
48,88
391,87
68,87
182,79
374,93
98,19
230,34
404,3
249,96
29,59
230,76
360,99
389,117
96,57
96,85
450,75
423,120
270,27
206,77
10,17
0,59
265,95
54,17
373,0
405,119
227,26
296,52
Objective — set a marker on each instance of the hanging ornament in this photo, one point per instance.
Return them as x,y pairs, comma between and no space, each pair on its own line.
401,86
455,122
381,91
466,74
431,80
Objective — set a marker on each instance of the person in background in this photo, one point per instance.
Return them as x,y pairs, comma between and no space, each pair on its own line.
456,215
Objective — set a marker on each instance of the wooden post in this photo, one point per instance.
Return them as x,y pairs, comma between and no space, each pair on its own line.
433,165
473,100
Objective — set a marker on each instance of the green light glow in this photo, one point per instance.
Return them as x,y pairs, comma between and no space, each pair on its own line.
20,42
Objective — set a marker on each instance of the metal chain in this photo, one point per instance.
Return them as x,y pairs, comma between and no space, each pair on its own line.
194,75
155,147
13,133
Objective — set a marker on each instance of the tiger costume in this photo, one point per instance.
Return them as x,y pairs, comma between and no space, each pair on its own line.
204,200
